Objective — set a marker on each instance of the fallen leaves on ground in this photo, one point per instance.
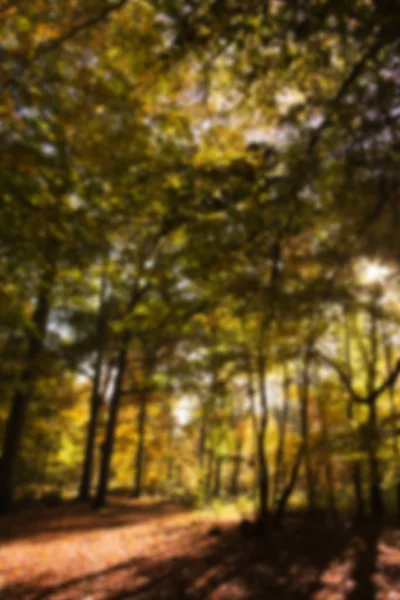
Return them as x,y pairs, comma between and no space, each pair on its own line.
156,551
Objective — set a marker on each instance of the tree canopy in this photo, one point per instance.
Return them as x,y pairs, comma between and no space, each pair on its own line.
199,251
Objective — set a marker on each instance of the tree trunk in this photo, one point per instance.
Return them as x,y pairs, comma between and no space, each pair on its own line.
327,459
170,455
87,471
282,425
108,445
218,475
259,428
304,417
203,435
376,500
237,461
263,479
139,459
235,477
170,468
331,487
208,479
357,477
287,492
358,492
387,345
15,422
357,465
95,402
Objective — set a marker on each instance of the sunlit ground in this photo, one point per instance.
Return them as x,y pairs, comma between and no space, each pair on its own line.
155,550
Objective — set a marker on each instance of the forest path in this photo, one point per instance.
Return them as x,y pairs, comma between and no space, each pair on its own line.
138,550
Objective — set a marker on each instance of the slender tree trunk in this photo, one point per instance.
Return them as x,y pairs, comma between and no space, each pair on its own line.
208,479
263,477
327,459
357,476
282,425
139,459
236,466
395,451
108,445
169,459
392,396
95,401
178,475
262,480
376,500
15,422
304,417
170,468
87,471
357,465
259,428
115,401
358,491
203,435
287,492
218,476
235,477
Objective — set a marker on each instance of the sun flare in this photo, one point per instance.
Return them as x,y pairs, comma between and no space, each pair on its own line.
374,272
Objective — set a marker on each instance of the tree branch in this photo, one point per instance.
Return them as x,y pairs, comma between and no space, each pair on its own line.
343,376
346,380
388,383
55,43
355,72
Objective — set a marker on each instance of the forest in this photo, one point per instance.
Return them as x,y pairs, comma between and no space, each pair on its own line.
200,299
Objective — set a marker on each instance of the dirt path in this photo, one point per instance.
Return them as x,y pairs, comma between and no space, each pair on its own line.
159,551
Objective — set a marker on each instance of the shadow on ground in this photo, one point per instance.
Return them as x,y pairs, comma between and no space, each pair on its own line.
301,562
74,516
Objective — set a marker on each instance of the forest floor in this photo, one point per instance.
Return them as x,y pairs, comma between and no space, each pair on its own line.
159,551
